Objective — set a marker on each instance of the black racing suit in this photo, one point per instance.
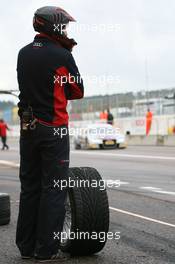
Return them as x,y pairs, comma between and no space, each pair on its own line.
47,77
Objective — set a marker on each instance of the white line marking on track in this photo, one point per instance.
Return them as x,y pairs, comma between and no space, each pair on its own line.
117,182
93,153
157,190
15,201
150,188
123,183
9,163
141,216
14,149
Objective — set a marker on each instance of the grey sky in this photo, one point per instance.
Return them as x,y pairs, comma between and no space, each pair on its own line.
147,28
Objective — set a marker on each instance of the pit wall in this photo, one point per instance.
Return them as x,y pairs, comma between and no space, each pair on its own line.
161,125
168,140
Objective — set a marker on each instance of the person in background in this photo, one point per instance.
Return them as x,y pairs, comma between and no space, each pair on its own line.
103,116
110,117
3,134
173,129
149,117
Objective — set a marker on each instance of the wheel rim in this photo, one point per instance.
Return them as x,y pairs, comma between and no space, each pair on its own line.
67,221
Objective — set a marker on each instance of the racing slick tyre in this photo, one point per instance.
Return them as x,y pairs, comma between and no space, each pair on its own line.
87,213
4,209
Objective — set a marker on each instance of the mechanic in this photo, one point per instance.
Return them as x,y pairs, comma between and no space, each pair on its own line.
44,156
110,117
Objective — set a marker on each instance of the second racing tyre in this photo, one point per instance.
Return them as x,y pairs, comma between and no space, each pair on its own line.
4,209
87,213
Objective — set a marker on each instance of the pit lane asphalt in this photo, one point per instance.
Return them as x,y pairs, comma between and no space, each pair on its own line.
143,216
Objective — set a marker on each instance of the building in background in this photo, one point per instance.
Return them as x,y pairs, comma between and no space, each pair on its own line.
124,105
9,112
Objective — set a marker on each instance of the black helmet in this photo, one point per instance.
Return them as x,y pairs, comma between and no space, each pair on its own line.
51,20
